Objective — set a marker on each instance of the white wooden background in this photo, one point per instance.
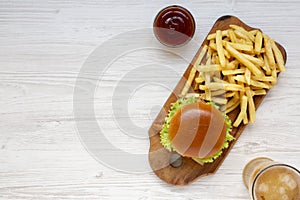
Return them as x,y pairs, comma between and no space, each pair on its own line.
43,45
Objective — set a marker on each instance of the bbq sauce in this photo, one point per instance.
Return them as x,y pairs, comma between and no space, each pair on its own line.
174,26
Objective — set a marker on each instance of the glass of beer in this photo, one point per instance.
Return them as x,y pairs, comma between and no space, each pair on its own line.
270,180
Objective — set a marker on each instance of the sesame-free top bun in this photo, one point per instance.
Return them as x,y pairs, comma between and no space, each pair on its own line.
197,130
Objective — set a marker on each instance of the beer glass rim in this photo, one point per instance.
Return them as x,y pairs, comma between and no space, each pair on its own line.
266,168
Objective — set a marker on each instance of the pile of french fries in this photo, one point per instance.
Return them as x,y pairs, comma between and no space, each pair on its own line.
238,65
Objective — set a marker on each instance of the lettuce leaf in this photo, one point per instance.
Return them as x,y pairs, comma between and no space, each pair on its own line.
165,137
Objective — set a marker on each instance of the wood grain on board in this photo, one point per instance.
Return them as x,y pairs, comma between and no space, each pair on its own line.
189,170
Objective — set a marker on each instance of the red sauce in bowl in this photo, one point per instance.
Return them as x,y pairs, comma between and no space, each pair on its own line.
174,26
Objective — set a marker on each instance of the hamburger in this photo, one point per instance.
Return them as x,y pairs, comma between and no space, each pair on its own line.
196,129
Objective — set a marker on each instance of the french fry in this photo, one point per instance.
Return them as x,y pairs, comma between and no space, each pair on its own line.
207,91
245,120
234,106
258,42
274,73
248,76
219,100
203,87
189,81
234,87
244,60
231,79
220,48
212,45
232,101
232,36
226,39
218,92
278,56
217,61
232,65
218,80
192,95
213,35
241,47
242,113
251,105
208,68
243,31
254,32
208,56
229,94
254,60
199,79
260,92
240,78
248,42
193,71
242,36
266,66
254,88
214,58
265,79
259,84
225,86
233,71
227,55
269,52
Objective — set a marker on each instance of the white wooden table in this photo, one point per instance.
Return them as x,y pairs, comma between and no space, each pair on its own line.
43,47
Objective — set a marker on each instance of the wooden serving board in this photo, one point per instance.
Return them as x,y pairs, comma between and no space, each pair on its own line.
189,170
